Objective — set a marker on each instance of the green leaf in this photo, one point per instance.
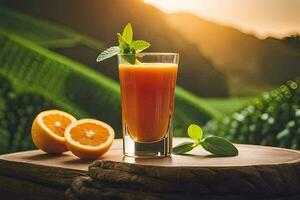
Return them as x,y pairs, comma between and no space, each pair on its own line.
195,132
110,52
219,146
183,147
140,45
122,43
127,33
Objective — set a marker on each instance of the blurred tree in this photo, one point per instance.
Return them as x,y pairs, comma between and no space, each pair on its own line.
271,119
293,40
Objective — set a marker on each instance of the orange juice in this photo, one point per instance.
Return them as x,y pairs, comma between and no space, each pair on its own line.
147,92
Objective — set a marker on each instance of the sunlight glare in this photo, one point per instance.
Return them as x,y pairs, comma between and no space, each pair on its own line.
264,18
173,5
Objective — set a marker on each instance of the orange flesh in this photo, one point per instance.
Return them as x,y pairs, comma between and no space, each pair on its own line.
147,92
89,134
56,123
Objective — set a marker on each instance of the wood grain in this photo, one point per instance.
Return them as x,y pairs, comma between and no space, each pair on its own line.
13,189
85,188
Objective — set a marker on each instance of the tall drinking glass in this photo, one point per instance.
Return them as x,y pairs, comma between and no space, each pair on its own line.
147,92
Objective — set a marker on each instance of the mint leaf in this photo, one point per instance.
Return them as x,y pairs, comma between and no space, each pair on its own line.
122,44
219,146
140,45
127,47
195,132
183,147
127,33
110,52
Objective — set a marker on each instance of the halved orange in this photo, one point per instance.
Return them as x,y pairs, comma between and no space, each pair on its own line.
48,130
89,138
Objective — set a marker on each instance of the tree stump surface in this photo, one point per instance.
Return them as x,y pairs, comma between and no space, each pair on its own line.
258,171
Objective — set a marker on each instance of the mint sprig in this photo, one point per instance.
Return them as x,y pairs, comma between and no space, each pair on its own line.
127,46
213,144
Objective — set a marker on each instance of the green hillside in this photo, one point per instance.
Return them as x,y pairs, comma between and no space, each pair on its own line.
42,79
252,65
227,105
31,66
43,32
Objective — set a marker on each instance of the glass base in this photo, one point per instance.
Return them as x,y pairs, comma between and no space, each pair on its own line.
161,148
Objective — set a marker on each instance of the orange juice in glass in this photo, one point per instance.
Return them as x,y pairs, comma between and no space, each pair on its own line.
147,93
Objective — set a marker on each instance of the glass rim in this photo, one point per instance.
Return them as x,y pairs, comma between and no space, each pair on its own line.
150,54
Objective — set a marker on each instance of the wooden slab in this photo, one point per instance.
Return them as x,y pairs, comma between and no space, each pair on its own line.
66,161
249,155
256,170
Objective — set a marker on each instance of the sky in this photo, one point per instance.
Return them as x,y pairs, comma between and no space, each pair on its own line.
263,18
